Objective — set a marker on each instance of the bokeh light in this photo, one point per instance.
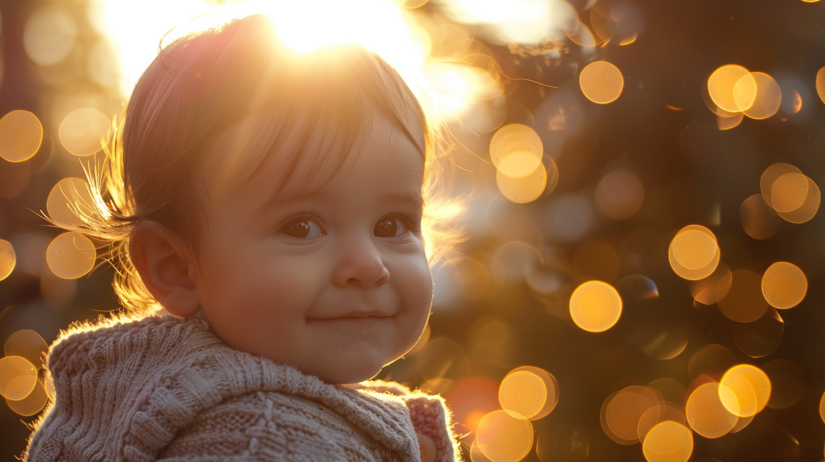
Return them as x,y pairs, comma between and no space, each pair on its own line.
49,35
744,390
31,404
525,189
8,259
767,99
71,255
503,437
706,413
744,301
20,135
784,285
759,220
668,441
624,410
595,306
619,194
17,377
66,197
27,344
516,150
529,392
694,253
82,130
601,82
732,88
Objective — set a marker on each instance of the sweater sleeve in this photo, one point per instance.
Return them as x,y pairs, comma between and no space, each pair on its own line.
270,426
430,416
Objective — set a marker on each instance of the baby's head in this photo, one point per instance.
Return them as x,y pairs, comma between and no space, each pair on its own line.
278,195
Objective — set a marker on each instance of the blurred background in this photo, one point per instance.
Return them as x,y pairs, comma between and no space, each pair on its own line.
641,273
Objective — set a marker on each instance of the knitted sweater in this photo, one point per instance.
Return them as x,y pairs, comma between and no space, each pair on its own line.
166,388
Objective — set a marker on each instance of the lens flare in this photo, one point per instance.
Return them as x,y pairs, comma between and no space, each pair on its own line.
595,306
20,136
601,82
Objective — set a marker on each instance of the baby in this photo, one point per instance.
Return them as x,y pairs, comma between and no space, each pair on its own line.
271,204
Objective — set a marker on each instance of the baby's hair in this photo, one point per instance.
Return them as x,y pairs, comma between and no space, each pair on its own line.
161,152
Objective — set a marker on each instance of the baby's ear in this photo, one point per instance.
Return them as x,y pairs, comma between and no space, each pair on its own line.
166,267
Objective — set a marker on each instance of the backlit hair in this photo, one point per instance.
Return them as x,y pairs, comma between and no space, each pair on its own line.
204,83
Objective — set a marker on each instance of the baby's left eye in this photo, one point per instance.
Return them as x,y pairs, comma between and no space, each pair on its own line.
390,227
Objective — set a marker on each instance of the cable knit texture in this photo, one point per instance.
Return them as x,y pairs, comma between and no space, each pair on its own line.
166,388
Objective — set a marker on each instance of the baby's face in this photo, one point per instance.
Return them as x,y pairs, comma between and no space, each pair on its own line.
331,279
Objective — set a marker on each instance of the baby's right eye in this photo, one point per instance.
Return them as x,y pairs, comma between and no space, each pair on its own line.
302,228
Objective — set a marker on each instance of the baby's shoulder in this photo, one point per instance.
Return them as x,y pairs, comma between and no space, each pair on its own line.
271,425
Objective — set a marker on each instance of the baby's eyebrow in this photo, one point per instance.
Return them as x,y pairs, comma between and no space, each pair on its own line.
409,199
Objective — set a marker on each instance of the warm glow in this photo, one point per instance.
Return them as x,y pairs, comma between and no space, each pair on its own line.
694,253
525,189
758,219
516,150
20,136
744,302
17,377
83,132
744,390
732,88
668,441
706,414
8,259
71,255
503,437
784,285
66,197
528,392
624,411
767,99
601,82
595,306
28,344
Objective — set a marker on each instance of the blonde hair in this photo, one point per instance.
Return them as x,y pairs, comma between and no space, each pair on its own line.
203,83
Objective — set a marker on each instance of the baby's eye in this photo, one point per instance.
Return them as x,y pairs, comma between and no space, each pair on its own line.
390,227
303,228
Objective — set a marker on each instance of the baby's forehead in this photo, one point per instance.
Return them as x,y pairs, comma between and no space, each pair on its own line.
287,158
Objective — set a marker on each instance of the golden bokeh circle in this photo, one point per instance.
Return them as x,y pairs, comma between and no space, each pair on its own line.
744,92
744,390
503,437
722,83
744,302
20,136
17,377
525,189
68,194
809,207
71,255
516,150
789,191
706,413
595,306
668,441
784,285
769,177
625,410
83,130
820,83
601,82
660,413
768,97
619,194
8,259
758,219
28,344
31,404
693,253
529,392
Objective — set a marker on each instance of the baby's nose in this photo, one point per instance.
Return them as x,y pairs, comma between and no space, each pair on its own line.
361,266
